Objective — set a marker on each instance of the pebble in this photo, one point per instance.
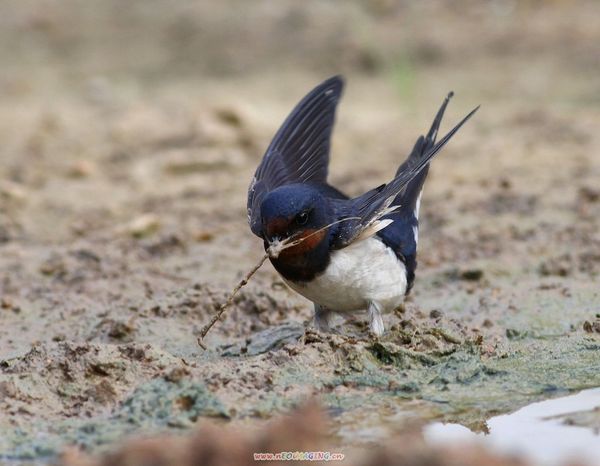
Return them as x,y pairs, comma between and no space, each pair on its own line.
143,225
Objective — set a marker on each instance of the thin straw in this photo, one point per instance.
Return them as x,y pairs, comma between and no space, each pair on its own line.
273,251
223,307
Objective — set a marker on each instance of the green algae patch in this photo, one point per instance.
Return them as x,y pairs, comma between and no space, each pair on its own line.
460,383
398,356
160,403
154,406
468,387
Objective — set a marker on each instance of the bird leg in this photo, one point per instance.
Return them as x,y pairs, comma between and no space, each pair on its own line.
375,319
323,318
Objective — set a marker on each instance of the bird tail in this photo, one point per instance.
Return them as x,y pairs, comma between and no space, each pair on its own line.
403,234
409,198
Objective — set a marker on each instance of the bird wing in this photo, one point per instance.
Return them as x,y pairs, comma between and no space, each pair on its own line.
299,152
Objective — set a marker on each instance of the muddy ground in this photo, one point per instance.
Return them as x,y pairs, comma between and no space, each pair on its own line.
129,136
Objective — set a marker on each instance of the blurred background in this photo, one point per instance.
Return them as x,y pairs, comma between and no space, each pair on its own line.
129,132
540,47
107,90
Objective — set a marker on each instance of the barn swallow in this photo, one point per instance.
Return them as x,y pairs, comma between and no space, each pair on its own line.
344,254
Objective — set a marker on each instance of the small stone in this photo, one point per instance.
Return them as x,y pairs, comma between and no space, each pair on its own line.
13,191
53,266
81,169
165,245
592,327
203,236
102,392
229,115
407,324
176,374
8,390
6,303
514,334
435,314
120,330
144,225
472,275
409,387
589,194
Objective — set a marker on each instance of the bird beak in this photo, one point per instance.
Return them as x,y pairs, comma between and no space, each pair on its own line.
275,247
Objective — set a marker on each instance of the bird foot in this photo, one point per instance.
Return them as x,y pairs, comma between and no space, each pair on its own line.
375,319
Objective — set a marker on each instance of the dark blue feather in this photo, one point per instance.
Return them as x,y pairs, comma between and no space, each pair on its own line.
299,152
401,235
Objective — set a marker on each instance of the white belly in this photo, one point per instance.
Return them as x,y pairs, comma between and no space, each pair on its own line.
363,272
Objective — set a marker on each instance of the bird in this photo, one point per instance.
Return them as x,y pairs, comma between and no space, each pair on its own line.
344,254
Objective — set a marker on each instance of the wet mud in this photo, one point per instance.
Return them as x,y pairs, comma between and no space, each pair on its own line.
123,224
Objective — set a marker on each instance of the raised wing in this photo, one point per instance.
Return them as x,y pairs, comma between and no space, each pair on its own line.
299,152
371,207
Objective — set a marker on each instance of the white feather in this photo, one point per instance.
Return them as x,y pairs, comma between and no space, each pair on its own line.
364,272
418,205
373,228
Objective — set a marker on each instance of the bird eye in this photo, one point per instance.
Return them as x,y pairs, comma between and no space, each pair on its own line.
302,218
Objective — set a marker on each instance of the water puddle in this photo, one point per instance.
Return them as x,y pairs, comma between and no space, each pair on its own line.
548,432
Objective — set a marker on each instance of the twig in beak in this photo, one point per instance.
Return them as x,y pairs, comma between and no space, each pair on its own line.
273,251
277,246
223,307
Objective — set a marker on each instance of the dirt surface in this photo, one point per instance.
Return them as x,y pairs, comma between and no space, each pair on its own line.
129,138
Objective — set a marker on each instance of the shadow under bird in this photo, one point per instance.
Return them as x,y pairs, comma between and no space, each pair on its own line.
344,254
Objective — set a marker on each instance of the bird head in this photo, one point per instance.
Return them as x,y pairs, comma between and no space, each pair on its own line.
296,213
